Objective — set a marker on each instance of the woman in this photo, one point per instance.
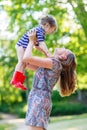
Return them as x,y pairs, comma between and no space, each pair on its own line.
49,70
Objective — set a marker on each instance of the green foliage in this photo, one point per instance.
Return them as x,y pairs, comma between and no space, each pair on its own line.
68,108
18,109
71,33
60,106
5,126
55,96
68,105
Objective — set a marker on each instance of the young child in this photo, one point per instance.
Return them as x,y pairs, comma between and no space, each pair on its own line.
47,26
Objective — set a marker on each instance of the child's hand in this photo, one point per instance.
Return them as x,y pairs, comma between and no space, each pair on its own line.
49,55
32,35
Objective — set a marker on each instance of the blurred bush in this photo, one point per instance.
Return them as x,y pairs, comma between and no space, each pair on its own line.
60,106
68,105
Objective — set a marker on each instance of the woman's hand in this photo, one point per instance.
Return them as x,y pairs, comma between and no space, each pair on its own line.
32,36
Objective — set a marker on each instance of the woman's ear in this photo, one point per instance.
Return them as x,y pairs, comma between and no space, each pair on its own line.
62,57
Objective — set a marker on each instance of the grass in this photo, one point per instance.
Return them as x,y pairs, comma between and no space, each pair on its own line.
64,118
78,122
6,127
0,117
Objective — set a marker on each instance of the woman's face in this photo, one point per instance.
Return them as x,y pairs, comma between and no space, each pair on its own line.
61,53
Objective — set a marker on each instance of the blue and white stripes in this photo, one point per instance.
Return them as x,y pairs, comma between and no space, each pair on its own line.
24,41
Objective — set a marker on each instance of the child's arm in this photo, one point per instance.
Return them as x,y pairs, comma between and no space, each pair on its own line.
43,48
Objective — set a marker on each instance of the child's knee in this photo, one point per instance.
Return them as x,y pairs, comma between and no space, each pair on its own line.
24,60
22,63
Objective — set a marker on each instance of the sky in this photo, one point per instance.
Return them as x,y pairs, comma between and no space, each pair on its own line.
4,21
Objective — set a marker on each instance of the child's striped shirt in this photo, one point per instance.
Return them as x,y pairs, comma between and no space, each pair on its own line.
24,40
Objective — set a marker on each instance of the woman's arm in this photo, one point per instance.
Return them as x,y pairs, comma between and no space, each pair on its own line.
37,61
31,67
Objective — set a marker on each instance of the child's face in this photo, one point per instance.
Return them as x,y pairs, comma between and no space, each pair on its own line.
48,29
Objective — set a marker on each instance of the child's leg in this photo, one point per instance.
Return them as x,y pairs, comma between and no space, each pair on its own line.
18,76
20,65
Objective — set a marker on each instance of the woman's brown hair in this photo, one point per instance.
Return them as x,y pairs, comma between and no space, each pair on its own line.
68,76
